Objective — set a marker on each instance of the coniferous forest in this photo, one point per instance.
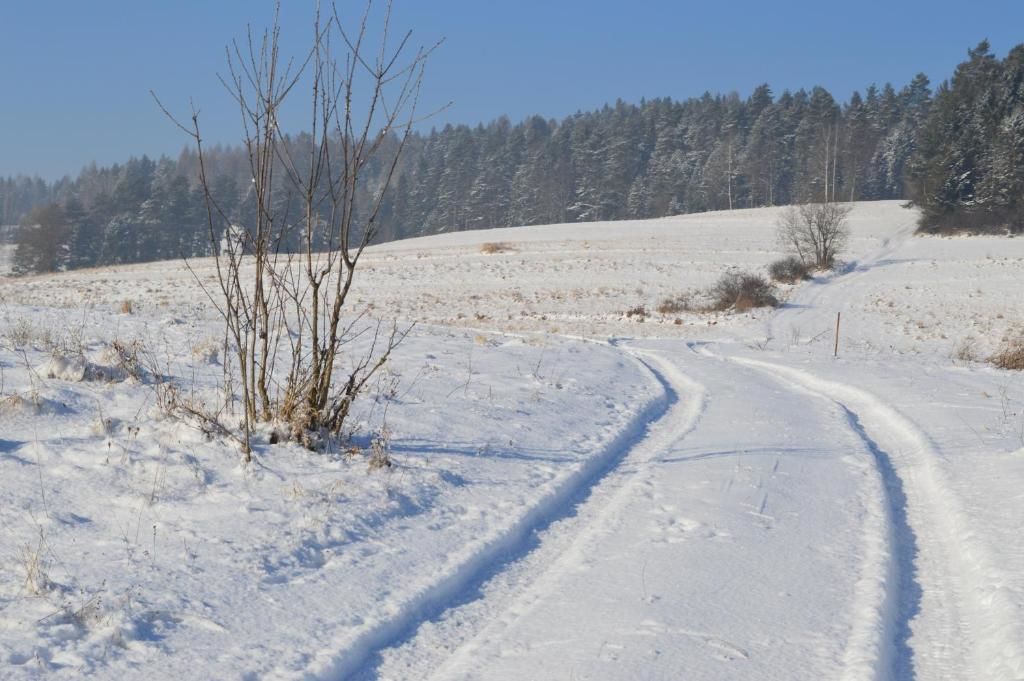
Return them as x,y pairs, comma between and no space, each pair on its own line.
957,152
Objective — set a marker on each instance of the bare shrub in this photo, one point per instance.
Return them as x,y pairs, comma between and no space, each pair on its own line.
789,270
67,338
815,232
128,358
1010,355
22,333
492,247
283,282
742,291
738,291
638,311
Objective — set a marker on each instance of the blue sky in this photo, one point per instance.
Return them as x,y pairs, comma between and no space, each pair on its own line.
77,75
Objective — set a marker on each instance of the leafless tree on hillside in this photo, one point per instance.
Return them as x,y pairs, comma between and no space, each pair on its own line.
363,89
815,232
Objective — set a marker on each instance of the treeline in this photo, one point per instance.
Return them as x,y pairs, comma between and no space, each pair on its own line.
19,195
969,172
959,154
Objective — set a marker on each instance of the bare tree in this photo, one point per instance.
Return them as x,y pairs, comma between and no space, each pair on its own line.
815,232
283,281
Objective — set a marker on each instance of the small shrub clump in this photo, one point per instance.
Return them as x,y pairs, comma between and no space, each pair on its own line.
676,305
966,351
1010,355
742,291
492,247
639,312
789,270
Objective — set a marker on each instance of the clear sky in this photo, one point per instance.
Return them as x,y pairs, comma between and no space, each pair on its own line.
76,75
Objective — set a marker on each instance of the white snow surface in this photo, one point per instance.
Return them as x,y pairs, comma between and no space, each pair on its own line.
576,493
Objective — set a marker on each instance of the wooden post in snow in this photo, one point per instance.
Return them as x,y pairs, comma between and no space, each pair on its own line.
835,353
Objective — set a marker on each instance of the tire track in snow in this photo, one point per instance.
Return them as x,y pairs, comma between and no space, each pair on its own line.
569,545
533,581
884,631
975,624
358,656
883,602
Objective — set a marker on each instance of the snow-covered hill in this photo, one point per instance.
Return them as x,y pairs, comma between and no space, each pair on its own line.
576,492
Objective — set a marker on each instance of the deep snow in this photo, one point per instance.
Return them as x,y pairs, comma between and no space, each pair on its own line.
576,494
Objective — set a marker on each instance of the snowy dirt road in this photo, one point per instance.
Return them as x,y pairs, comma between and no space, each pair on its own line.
815,537
809,539
708,530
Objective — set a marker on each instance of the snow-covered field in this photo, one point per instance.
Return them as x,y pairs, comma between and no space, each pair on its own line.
577,493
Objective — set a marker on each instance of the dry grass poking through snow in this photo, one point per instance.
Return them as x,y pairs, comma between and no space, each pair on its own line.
966,351
676,305
492,247
1010,355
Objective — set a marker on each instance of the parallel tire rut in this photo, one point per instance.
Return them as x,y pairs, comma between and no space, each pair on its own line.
961,595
